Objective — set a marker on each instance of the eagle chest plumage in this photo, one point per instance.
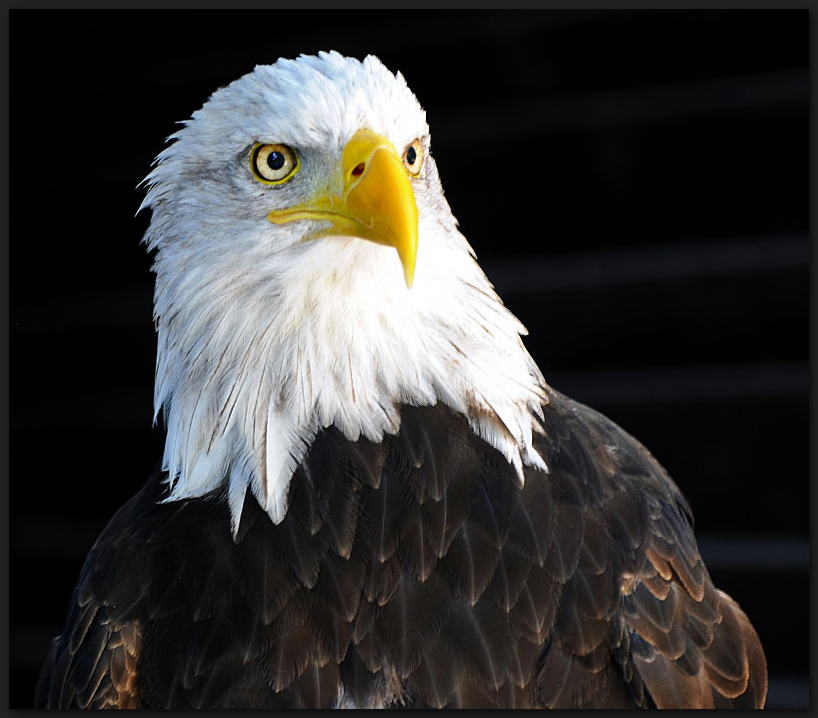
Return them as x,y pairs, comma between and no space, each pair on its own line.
415,571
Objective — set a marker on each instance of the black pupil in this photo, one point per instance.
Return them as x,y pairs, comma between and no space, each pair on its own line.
275,160
411,155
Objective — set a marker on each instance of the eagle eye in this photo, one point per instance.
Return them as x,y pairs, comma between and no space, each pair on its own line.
413,157
273,164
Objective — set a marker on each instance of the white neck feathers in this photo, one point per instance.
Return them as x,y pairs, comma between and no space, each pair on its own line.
248,375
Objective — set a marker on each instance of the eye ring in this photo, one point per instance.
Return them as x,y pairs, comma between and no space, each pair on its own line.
413,157
273,163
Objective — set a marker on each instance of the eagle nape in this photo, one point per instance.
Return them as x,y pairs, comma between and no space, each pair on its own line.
369,495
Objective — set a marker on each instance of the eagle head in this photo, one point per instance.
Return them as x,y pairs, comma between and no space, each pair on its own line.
310,273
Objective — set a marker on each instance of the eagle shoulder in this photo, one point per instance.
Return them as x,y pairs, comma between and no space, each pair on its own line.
674,637
93,663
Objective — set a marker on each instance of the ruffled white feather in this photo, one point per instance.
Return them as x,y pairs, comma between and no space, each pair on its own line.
265,339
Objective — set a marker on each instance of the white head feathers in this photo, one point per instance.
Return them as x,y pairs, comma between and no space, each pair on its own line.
265,340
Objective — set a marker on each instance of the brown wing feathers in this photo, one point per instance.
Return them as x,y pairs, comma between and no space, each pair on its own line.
691,641
93,666
415,572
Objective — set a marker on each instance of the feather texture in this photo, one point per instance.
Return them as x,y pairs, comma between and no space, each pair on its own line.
286,616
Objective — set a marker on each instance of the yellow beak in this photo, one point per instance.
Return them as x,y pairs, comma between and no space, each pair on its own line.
377,202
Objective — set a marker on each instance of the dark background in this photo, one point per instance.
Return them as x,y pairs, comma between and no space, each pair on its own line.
634,182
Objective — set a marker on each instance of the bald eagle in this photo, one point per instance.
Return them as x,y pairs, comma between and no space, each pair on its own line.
369,495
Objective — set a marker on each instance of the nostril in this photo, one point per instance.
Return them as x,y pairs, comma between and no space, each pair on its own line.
358,170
